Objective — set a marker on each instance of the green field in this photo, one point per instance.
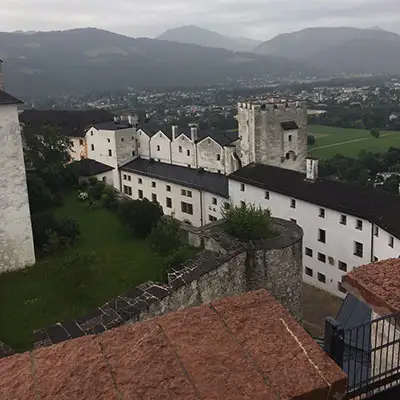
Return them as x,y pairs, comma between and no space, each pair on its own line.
38,296
348,142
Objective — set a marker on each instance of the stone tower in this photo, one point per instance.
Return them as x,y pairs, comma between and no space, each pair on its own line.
16,239
273,134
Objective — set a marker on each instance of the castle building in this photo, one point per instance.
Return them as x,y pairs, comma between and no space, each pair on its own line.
16,239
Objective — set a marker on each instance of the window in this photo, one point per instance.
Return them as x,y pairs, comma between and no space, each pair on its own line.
341,288
187,208
140,181
218,157
91,133
189,193
322,212
122,139
359,224
188,152
108,140
153,197
242,187
376,231
153,184
180,149
104,179
321,257
219,171
129,178
168,188
309,271
267,195
376,259
81,142
133,153
211,218
293,203
342,266
242,204
290,138
186,193
125,176
321,277
92,146
214,201
293,220
110,152
343,219
140,194
309,252
158,147
168,202
321,236
358,249
391,241
128,190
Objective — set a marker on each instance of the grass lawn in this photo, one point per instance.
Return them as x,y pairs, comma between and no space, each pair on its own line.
332,140
38,297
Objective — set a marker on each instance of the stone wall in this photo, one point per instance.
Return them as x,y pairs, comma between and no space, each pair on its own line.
226,267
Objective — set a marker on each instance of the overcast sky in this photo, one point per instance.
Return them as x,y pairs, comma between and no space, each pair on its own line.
258,19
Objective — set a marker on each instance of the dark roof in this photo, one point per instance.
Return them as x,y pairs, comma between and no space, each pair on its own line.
289,125
222,138
70,123
371,204
6,98
112,125
201,180
88,167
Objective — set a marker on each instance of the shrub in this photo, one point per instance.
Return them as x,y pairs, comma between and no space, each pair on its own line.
69,231
310,140
140,216
96,191
108,198
375,133
40,197
58,200
165,236
42,224
175,259
92,181
248,222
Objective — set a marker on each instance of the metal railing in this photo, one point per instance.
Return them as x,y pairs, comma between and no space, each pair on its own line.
368,353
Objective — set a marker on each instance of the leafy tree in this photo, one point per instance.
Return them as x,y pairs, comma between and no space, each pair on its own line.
248,222
310,140
363,177
40,197
96,191
375,133
140,216
165,236
42,224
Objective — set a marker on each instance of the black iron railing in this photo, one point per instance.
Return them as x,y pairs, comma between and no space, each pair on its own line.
369,354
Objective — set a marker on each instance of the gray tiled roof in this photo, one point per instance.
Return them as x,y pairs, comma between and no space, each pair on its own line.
113,126
6,98
193,178
88,167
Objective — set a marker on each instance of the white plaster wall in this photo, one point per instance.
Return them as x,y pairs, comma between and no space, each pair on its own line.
207,151
382,250
181,158
339,238
77,151
143,144
160,147
106,177
211,209
16,239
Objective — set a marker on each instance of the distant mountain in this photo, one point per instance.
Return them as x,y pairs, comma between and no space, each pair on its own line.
74,61
203,37
339,50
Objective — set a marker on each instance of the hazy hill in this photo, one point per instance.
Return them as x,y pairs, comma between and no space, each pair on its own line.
203,37
89,59
338,50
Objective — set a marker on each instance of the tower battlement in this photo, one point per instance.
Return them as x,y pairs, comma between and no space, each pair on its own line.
268,106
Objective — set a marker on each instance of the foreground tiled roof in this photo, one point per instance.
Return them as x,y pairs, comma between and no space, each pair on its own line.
6,98
377,284
246,347
371,204
193,178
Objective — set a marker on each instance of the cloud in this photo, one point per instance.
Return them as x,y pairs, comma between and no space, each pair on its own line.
260,19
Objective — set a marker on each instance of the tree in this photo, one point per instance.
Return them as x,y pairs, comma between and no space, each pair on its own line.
140,216
96,191
375,132
363,177
40,197
165,236
248,222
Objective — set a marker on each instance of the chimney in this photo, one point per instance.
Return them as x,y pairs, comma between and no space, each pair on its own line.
174,131
193,133
312,169
116,120
1,76
133,120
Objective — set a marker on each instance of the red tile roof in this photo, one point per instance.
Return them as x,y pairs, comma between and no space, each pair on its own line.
377,284
246,347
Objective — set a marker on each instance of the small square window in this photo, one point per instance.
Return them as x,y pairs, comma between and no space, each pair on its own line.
341,288
110,152
189,193
168,188
359,224
321,277
81,142
267,195
180,149
293,203
153,197
242,187
358,249
322,257
218,157
140,194
211,218
214,201
321,236
188,152
309,252
129,177
342,266
92,146
124,176
183,192
376,231
391,241
153,184
140,181
322,212
308,271
343,219
158,147
169,202
290,138
133,153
